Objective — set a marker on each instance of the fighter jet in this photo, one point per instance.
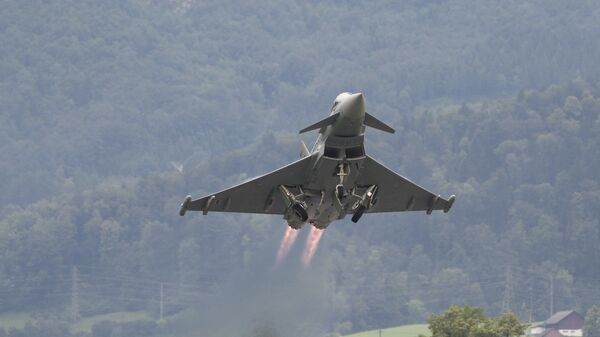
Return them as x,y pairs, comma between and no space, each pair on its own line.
336,178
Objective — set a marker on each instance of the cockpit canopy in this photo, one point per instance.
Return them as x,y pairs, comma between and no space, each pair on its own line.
339,99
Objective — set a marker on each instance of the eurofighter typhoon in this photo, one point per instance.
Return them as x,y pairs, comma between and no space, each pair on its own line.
333,180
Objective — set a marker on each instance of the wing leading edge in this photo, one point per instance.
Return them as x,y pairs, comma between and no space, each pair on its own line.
396,193
258,195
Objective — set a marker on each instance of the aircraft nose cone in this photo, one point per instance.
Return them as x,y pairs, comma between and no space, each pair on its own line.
355,106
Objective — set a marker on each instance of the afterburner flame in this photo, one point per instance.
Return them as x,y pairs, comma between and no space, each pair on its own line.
286,244
312,242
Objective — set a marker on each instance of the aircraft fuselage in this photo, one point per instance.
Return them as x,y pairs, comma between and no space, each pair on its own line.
334,179
338,154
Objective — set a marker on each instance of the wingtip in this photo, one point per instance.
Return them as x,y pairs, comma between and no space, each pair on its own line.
449,203
183,208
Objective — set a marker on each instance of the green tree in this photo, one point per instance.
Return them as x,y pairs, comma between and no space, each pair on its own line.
470,321
508,325
591,327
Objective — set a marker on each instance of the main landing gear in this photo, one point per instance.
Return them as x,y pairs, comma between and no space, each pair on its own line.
364,202
358,213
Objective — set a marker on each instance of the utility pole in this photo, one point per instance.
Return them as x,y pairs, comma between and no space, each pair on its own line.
379,332
530,306
161,300
551,294
75,294
507,290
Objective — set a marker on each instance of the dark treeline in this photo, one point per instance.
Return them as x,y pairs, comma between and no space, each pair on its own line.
110,112
95,89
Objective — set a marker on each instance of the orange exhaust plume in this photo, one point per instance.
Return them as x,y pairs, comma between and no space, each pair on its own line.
312,242
286,244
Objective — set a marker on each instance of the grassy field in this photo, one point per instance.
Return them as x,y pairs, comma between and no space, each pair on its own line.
14,320
402,331
85,324
18,320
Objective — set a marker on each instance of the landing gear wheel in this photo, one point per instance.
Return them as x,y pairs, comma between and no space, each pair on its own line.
359,212
339,190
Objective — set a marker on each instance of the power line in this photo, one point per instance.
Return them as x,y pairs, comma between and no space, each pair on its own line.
507,290
551,294
75,295
161,301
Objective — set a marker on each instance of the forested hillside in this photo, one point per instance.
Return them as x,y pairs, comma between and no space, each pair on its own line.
112,111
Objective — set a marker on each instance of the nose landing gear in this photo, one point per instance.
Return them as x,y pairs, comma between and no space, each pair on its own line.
339,191
342,170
